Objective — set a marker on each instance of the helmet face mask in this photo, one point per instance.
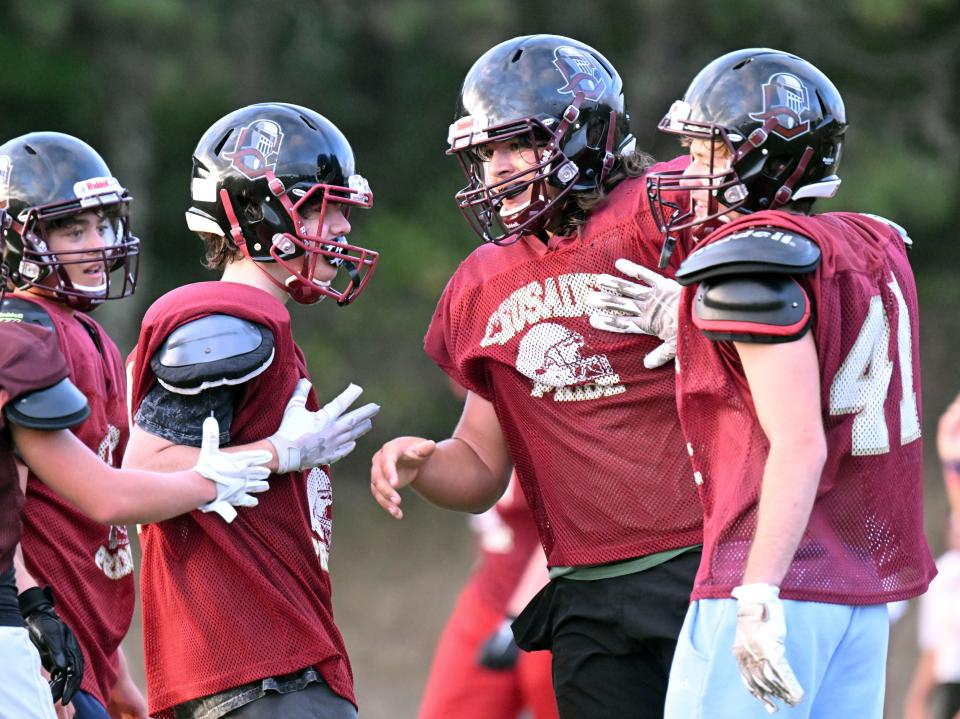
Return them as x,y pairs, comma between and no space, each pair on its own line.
50,179
551,95
546,180
266,173
778,124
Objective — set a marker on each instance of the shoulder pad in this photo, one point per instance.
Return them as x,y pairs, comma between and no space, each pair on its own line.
57,407
890,223
14,309
212,351
761,308
755,250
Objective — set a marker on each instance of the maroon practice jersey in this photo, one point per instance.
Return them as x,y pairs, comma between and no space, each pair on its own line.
593,435
864,543
30,359
506,539
89,565
227,604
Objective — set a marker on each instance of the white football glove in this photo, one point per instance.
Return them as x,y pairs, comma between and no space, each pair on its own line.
309,439
648,307
759,646
238,475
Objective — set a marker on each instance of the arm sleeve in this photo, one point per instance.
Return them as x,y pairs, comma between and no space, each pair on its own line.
179,418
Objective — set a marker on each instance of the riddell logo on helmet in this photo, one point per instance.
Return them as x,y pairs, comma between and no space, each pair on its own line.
580,72
786,98
257,149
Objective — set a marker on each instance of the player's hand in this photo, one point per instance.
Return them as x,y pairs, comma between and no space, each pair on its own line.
308,439
237,475
499,651
759,646
395,465
645,307
126,701
59,652
948,433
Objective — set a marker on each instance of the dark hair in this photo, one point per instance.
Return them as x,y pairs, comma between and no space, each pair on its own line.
579,205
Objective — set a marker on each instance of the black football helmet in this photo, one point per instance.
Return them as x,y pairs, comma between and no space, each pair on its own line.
46,177
252,172
4,270
780,119
554,95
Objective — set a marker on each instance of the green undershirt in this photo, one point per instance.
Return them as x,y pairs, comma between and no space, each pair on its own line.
589,572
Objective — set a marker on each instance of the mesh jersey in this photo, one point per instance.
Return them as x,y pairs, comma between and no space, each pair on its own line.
89,565
227,604
506,536
593,435
864,543
30,359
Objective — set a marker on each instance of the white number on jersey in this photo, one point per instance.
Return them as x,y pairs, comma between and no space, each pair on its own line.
861,384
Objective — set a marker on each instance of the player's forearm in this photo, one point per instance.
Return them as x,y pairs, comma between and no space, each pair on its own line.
104,493
148,452
790,480
24,579
455,477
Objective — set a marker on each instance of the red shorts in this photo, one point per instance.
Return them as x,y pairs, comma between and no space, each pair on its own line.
459,687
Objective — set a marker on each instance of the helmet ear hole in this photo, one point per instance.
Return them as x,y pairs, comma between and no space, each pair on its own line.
776,166
251,211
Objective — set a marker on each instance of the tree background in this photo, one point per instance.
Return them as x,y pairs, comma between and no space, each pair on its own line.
141,80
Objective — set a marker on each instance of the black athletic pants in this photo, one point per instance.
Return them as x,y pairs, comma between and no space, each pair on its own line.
612,639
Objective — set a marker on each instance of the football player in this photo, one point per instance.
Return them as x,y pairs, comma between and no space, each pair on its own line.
272,187
37,403
799,393
556,192
71,249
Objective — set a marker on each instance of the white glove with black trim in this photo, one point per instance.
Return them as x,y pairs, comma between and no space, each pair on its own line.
759,646
238,475
648,307
310,439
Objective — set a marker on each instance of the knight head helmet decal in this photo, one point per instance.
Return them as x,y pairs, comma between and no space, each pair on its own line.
581,73
257,148
786,98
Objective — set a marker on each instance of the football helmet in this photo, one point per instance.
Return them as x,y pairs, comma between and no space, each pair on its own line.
4,271
779,120
560,99
254,171
46,177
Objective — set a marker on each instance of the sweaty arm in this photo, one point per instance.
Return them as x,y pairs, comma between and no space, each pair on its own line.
784,382
468,472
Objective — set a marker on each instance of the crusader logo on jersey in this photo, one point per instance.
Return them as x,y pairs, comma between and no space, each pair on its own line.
552,355
115,559
786,98
257,149
320,499
580,71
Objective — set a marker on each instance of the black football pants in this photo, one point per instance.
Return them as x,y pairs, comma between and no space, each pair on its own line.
612,639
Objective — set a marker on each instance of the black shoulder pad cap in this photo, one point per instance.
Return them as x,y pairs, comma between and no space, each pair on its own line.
755,250
14,309
60,406
212,351
765,308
